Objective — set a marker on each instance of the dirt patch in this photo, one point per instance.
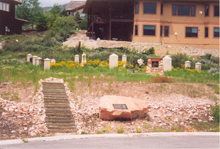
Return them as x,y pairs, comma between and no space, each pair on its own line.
160,50
20,92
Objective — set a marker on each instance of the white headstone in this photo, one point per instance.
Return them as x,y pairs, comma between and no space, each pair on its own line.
124,59
198,66
34,59
113,61
46,64
140,61
187,64
28,57
167,63
76,58
38,62
83,58
53,61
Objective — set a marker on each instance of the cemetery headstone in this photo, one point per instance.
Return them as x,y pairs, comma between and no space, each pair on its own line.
167,63
76,58
187,64
39,61
113,61
124,60
53,61
46,64
29,56
34,60
83,58
198,66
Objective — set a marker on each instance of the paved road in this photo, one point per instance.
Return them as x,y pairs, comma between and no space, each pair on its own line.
135,141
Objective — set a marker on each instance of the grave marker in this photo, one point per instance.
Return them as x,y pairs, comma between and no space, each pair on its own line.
46,64
113,61
167,63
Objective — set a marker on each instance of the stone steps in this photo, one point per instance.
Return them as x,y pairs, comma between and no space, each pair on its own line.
59,117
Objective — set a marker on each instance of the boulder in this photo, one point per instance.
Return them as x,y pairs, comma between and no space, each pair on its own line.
126,108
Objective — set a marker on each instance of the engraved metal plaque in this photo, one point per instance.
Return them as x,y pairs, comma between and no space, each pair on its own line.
120,106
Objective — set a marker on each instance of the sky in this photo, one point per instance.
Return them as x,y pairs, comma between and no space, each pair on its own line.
45,3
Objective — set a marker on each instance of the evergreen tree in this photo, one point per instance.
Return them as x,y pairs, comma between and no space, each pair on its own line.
77,17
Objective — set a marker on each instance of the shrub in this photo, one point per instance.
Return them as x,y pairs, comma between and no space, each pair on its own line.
60,22
215,113
120,130
180,58
151,51
83,25
138,130
14,46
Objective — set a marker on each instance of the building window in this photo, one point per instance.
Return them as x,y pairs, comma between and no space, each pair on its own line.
166,31
207,10
206,32
136,30
216,10
183,10
191,32
216,32
161,9
174,9
150,8
193,10
4,6
161,31
149,30
137,8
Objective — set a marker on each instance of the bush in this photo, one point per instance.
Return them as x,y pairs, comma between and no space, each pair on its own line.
150,51
14,46
83,25
61,22
215,113
180,58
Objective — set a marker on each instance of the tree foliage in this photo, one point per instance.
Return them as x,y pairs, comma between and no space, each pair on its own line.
29,10
77,17
61,22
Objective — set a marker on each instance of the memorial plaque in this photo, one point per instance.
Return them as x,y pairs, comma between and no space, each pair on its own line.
120,106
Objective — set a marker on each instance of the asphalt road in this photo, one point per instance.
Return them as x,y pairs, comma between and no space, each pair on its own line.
135,142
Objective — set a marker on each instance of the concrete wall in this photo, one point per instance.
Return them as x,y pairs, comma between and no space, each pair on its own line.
178,24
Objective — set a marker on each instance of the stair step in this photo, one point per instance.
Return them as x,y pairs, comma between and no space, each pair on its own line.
57,106
61,127
60,124
59,114
59,121
61,131
59,118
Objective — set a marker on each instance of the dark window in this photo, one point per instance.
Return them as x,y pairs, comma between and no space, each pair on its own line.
136,29
207,10
174,9
216,32
150,8
192,10
149,30
155,64
206,32
161,9
166,31
183,10
216,10
191,32
161,31
137,8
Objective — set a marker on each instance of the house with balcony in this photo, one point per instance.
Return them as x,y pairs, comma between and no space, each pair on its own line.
8,23
181,22
74,6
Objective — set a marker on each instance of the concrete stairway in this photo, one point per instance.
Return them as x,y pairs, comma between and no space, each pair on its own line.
59,118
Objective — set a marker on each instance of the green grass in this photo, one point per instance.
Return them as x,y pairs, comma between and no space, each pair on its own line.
120,130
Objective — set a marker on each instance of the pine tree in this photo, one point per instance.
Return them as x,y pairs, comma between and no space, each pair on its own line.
77,17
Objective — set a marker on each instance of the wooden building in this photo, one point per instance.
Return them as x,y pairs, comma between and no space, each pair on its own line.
173,22
8,23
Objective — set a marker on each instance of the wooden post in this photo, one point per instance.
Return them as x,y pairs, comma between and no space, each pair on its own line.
110,21
79,46
92,29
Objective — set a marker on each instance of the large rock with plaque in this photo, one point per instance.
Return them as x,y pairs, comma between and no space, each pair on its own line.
122,108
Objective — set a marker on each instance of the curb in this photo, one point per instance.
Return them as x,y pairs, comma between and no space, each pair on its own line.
69,137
